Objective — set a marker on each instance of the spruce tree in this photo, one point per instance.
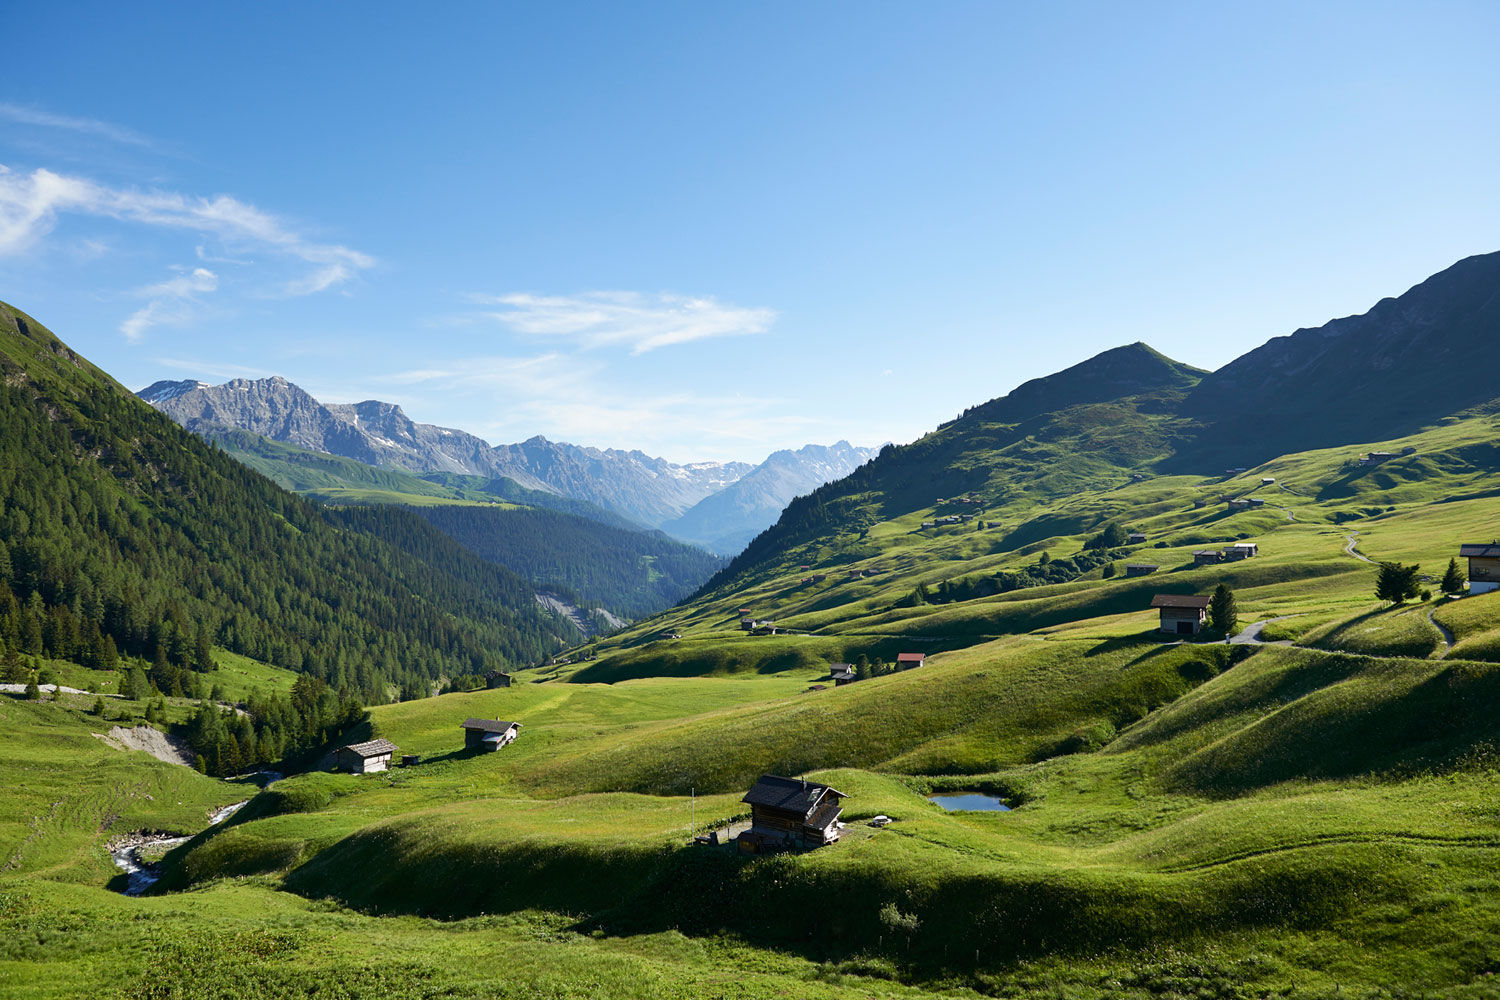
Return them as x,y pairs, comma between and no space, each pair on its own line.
1223,615
1397,583
1453,579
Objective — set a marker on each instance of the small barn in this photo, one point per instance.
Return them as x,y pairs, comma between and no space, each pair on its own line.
1181,614
1137,538
497,679
365,758
1140,569
905,661
1484,566
791,813
1207,557
841,674
1241,550
489,734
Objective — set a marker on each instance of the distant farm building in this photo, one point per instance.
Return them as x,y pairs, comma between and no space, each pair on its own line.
668,634
1376,457
1181,614
1140,569
489,734
1207,557
763,627
497,679
841,674
1241,504
789,814
746,624
1137,538
1241,550
905,661
365,758
1268,480
1484,566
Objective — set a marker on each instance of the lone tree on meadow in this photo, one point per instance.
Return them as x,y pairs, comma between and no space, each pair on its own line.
1397,583
1453,579
1223,615
1112,537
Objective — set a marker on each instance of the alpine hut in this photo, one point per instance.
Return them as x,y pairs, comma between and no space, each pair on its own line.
489,735
1181,614
789,813
363,758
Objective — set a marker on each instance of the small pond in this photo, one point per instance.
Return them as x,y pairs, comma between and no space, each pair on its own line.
970,802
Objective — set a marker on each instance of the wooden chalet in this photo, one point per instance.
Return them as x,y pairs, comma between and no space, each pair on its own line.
841,674
497,679
365,758
905,661
1484,566
790,814
1207,557
1181,614
1140,569
1241,550
489,735
1137,538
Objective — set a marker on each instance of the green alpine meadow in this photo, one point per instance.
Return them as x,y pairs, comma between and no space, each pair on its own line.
1138,681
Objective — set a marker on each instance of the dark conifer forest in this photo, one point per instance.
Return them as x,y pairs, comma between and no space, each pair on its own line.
123,535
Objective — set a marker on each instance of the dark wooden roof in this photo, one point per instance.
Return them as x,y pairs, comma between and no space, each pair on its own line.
372,748
1491,551
495,673
791,794
489,725
1179,601
837,670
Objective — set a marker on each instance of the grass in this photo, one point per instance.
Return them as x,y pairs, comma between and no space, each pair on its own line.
1192,819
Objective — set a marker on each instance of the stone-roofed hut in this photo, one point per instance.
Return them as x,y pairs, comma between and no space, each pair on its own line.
791,813
365,758
1181,614
841,674
489,735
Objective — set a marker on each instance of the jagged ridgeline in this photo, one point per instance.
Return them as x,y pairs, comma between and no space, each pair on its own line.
121,533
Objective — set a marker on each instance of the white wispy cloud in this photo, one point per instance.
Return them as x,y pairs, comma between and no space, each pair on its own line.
170,301
213,369
30,205
570,398
641,321
89,126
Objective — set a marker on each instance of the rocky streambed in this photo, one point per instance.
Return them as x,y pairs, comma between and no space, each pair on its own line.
139,854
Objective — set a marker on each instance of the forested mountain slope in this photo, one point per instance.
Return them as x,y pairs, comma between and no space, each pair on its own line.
631,573
124,533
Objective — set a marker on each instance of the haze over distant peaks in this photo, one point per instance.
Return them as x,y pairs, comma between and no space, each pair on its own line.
649,491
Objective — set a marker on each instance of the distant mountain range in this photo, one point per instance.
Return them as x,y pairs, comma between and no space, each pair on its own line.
724,522
740,499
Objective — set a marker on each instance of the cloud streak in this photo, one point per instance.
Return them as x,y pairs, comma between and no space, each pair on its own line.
30,205
23,115
639,321
169,302
572,398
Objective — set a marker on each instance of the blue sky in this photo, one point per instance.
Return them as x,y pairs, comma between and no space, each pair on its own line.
713,230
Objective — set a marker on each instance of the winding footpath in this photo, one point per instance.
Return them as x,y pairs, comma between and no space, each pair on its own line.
1353,537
